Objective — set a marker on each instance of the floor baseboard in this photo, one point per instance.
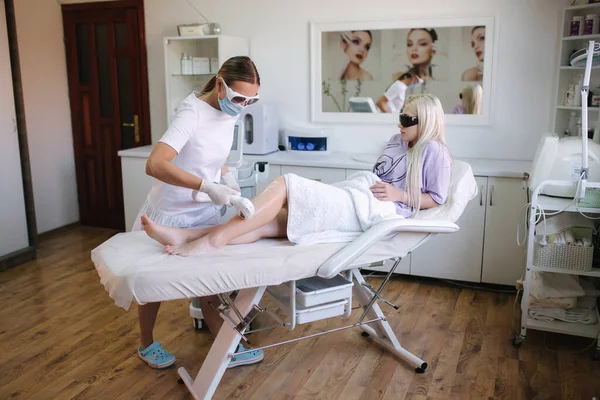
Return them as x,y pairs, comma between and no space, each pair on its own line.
17,258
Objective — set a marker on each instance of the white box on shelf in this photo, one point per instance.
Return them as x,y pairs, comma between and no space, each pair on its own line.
190,30
214,65
200,65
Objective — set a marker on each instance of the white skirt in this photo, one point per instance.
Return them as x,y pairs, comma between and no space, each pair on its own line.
208,215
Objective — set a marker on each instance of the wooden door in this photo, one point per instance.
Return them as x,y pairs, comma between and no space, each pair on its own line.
504,260
108,89
456,256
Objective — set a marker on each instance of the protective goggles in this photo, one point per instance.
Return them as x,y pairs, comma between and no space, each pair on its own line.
407,120
237,98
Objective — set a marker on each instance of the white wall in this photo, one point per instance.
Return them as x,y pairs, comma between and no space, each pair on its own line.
13,222
47,112
279,44
527,48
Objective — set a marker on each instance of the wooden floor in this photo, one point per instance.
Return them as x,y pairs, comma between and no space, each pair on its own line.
62,337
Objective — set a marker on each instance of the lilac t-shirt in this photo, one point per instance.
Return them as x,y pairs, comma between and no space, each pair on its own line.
435,177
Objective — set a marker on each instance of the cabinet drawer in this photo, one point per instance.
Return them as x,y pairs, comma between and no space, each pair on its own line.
325,175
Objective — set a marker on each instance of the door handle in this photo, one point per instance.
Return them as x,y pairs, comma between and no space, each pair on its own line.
492,195
136,127
481,196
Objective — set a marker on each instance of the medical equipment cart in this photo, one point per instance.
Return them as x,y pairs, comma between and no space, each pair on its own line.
554,204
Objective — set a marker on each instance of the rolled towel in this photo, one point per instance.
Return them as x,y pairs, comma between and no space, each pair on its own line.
569,238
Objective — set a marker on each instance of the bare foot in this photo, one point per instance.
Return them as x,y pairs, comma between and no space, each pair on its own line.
165,234
203,245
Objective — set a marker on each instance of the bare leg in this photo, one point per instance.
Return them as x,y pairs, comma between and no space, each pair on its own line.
172,236
267,206
147,317
277,228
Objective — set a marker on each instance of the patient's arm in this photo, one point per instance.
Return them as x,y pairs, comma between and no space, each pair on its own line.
386,192
427,201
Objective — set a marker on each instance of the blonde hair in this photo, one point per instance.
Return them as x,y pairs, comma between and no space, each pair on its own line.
430,128
472,96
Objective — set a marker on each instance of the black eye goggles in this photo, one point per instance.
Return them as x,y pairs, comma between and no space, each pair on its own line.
407,120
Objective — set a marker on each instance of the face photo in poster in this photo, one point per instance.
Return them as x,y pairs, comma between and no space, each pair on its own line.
475,73
386,66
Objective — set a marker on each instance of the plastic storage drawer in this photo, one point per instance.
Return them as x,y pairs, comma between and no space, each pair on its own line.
315,291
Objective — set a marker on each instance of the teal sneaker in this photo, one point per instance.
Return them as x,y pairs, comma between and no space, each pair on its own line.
252,357
156,356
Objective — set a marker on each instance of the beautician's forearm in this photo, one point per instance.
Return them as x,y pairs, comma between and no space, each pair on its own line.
382,104
168,172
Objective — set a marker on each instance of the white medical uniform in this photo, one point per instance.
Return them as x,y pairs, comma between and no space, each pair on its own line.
202,137
396,94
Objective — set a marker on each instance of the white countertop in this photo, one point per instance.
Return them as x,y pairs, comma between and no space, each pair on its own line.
361,161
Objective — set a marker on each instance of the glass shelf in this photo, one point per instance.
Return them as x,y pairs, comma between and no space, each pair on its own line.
583,6
577,108
583,37
550,203
589,331
595,272
570,67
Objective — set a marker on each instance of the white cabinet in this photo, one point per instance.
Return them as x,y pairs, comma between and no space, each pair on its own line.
503,260
456,256
485,248
180,84
136,185
325,175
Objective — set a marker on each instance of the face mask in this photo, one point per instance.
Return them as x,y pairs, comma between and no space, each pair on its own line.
229,108
416,84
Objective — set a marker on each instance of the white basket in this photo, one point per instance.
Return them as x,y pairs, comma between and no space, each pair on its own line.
575,258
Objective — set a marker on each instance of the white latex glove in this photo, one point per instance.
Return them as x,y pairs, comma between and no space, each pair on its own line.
229,180
219,194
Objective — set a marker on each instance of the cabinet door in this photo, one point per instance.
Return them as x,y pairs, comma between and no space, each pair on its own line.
136,185
457,255
503,260
325,175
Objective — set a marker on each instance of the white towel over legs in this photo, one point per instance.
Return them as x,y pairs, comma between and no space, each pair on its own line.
321,213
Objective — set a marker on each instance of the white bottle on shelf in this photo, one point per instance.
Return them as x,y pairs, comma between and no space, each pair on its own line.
570,95
186,65
570,131
577,94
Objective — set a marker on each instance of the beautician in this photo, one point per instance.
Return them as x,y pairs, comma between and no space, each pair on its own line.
190,156
393,99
